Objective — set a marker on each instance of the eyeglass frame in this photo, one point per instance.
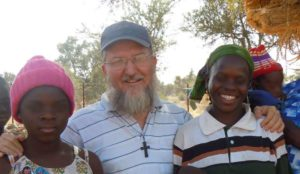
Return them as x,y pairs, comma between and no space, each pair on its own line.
124,61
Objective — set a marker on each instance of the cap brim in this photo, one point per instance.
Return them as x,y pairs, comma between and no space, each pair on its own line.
137,40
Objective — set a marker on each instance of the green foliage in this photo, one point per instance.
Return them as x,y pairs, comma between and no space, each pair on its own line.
179,88
178,91
151,13
82,59
153,16
225,20
9,77
75,56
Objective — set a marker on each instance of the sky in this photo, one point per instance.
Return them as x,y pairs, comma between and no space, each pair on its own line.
35,27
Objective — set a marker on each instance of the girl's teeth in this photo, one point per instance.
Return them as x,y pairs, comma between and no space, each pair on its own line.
228,97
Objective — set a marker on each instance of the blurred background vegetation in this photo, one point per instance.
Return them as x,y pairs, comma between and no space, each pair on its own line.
214,21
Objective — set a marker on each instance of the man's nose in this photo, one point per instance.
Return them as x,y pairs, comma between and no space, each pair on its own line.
130,67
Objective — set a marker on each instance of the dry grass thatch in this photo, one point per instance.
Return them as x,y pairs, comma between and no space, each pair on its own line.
277,17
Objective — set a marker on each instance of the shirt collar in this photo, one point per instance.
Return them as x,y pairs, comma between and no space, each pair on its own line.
209,124
105,101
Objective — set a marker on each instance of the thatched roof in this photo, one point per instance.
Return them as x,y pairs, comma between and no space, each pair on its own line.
277,17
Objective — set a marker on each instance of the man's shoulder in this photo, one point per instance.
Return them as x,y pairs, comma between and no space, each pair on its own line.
170,107
94,110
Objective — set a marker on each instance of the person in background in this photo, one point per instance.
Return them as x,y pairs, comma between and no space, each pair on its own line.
130,129
268,89
42,98
4,104
226,137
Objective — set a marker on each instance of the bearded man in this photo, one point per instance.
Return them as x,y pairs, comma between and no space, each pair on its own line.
130,128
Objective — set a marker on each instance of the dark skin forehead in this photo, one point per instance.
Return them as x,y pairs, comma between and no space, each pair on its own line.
272,76
34,94
37,96
271,82
230,61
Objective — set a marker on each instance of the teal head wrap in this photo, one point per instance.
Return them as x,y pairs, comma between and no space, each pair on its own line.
199,87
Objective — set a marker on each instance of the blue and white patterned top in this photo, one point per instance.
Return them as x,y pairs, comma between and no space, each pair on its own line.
291,110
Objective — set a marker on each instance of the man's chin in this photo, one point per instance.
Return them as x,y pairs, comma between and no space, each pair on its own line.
134,91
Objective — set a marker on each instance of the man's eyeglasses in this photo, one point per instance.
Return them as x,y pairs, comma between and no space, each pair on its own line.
138,60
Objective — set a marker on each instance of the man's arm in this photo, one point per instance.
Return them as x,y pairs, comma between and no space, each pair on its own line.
95,164
273,121
291,132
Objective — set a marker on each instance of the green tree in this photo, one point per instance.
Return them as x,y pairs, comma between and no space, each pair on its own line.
9,77
225,20
82,59
182,85
190,78
152,14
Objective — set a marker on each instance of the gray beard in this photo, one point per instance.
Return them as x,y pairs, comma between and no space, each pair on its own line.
127,103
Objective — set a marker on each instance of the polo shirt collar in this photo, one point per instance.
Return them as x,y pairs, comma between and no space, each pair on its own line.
105,102
209,124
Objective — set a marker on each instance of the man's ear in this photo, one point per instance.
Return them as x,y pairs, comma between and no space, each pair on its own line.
155,60
103,68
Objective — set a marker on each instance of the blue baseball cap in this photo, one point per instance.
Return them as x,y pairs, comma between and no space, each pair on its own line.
125,30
